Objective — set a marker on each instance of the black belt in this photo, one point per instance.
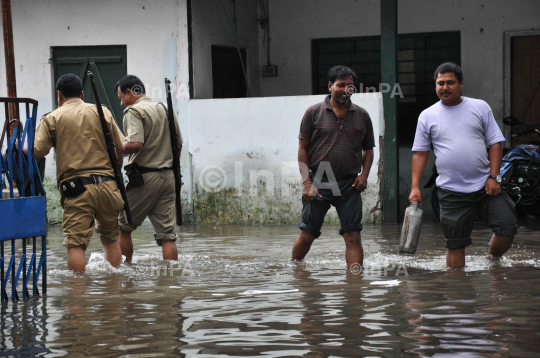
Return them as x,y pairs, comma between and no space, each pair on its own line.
144,170
338,178
346,177
94,179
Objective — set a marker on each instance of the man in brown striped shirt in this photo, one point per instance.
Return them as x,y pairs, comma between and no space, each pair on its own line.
335,155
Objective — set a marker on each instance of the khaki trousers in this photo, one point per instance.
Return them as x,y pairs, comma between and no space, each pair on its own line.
155,199
101,204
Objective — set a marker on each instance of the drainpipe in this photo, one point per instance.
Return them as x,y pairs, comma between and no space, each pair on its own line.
190,48
10,60
390,192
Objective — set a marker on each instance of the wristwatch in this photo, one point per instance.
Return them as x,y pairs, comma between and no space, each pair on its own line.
497,178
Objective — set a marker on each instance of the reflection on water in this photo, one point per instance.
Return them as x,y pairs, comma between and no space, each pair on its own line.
234,293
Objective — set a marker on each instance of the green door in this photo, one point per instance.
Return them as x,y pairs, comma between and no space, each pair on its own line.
107,63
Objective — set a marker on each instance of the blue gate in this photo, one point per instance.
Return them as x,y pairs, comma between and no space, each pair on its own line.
24,218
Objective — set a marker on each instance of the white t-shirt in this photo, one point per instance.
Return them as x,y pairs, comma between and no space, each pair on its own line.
460,135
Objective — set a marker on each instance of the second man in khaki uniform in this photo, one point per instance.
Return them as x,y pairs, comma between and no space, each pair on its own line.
150,153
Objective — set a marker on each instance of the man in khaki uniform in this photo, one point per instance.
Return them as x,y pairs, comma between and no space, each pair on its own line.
149,147
83,164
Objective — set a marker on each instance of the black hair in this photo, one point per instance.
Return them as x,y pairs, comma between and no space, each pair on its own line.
340,72
69,85
132,83
449,67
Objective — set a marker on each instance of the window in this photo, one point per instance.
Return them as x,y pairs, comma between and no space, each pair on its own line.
419,55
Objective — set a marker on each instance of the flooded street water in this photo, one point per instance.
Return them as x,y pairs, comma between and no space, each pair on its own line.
235,293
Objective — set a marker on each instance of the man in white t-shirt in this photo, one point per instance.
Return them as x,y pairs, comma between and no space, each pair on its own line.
459,129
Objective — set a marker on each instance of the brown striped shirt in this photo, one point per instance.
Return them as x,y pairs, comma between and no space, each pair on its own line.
336,141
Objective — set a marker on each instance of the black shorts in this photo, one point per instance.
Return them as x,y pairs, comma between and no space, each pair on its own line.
348,206
458,211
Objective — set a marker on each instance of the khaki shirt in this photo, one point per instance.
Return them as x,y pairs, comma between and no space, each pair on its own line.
74,130
146,122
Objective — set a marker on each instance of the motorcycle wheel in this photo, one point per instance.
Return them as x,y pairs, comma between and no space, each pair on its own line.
435,202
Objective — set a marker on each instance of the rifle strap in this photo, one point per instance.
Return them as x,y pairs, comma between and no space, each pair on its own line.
167,113
138,112
165,108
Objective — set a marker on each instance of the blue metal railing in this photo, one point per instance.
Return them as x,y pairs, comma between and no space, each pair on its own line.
24,217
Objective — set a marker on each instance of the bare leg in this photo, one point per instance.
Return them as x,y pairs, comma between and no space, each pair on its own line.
126,245
302,245
113,254
499,245
455,258
75,259
170,252
354,253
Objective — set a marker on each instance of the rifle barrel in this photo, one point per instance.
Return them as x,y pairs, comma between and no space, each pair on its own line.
176,157
111,149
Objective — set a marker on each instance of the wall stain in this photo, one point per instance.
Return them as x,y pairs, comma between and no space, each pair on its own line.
228,207
54,208
237,206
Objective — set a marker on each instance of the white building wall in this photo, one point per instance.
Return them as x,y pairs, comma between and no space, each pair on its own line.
294,23
155,33
482,24
210,27
244,157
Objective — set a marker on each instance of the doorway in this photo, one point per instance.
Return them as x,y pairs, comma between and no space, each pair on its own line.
522,83
107,63
227,75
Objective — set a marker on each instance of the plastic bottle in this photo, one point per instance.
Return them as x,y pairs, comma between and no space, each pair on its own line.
410,233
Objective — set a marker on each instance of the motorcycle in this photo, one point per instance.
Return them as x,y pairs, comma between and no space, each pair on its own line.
520,173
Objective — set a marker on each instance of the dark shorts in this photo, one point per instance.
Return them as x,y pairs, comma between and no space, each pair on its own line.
348,206
458,211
